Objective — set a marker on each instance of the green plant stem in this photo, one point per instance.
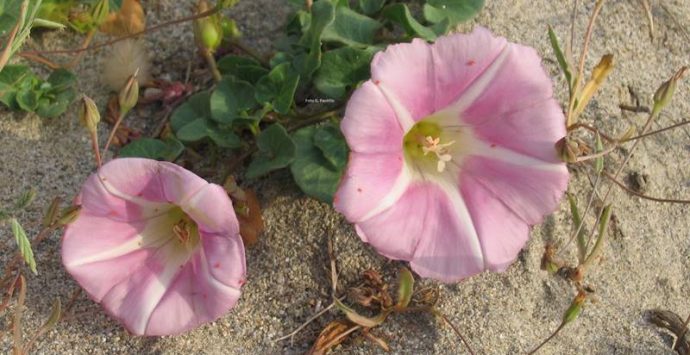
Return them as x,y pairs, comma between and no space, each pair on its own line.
570,118
212,65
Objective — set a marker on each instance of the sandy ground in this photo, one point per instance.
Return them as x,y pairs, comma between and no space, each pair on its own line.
646,264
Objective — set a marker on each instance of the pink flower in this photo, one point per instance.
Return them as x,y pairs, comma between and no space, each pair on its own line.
156,245
452,153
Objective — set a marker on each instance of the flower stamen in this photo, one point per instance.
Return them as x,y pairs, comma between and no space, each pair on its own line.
434,145
182,230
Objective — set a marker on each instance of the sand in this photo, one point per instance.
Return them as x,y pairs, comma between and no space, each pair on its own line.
646,263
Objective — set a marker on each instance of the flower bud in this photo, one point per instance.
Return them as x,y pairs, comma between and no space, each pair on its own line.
567,150
129,94
99,12
664,93
69,215
207,30
230,29
89,115
575,308
225,4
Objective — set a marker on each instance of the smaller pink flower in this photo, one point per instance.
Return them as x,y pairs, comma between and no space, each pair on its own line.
452,153
156,245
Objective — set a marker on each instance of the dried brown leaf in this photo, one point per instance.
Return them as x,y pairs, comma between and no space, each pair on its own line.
129,20
333,334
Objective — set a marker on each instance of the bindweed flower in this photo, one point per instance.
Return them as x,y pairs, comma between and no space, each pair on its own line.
156,245
452,153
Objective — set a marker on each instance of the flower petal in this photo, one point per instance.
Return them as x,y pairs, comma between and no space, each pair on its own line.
459,59
211,209
429,226
96,200
370,124
123,251
516,109
501,232
91,239
370,184
529,191
204,290
140,180
404,73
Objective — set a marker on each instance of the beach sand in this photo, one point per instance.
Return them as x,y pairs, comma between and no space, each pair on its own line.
646,261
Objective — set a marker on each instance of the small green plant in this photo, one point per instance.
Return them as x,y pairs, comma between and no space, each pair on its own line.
21,89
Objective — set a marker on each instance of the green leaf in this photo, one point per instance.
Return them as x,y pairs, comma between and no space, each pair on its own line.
322,15
25,199
61,80
197,106
27,100
577,220
9,14
193,131
400,14
332,145
278,88
351,28
53,319
276,151
312,172
24,245
455,11
241,68
562,62
13,74
52,107
342,69
598,247
167,149
370,7
224,138
230,98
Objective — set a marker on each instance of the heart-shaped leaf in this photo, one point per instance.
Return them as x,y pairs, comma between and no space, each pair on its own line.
276,150
167,149
230,98
313,173
341,69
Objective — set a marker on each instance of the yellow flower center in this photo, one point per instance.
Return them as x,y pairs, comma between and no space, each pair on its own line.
424,138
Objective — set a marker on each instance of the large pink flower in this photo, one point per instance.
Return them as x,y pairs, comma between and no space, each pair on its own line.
452,153
156,245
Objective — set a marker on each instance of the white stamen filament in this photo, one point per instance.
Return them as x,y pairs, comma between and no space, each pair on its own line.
433,145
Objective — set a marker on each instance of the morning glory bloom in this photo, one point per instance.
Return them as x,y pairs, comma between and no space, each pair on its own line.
452,153
157,246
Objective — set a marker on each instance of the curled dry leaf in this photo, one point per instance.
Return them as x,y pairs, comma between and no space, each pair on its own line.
248,211
333,334
129,20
